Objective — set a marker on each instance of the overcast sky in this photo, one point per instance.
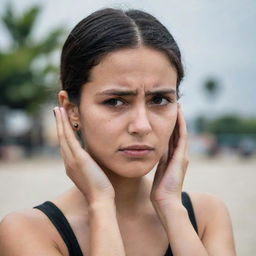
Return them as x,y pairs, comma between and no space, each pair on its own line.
217,38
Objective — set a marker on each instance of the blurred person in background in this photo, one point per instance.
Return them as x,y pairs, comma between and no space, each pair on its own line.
120,75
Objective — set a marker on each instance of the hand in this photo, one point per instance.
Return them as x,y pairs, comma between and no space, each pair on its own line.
171,170
80,166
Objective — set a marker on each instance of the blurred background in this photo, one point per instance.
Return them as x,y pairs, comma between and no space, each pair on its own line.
217,42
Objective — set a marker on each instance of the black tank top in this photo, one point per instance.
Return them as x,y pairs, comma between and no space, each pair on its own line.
62,225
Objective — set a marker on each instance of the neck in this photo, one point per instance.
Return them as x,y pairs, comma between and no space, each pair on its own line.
132,195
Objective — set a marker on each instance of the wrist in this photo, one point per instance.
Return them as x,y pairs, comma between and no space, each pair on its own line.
101,214
168,209
99,198
101,205
172,214
173,202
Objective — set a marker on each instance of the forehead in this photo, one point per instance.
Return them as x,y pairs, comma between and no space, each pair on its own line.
134,68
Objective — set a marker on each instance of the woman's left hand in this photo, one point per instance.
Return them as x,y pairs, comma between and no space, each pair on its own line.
171,170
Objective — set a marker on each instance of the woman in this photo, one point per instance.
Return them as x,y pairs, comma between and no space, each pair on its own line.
120,73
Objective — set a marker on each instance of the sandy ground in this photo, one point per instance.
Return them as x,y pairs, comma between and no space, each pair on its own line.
26,183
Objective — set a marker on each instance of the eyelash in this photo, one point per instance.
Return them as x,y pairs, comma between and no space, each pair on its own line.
107,102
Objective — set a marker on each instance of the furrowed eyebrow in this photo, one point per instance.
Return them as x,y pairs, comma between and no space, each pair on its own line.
134,93
117,92
160,92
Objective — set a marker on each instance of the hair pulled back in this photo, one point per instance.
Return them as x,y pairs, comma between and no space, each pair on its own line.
105,31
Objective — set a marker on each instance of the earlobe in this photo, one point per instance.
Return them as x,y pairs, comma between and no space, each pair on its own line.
76,125
71,109
73,115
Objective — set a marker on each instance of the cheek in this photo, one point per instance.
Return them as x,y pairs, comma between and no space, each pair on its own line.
98,130
165,129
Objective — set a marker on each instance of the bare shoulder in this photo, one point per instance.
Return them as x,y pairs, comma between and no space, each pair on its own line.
207,206
29,231
214,222
21,233
202,205
205,203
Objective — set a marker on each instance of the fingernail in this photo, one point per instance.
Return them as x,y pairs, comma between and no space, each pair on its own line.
62,109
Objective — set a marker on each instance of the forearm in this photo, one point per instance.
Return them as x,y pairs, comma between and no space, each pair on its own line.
183,238
105,236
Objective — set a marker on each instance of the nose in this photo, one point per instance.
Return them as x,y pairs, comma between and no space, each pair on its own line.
139,123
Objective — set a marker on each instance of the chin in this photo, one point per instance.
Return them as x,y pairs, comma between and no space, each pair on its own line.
126,168
132,170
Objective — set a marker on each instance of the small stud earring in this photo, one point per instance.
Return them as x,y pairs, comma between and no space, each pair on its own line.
75,125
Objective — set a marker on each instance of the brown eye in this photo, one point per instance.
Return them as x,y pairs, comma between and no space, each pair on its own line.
159,100
113,102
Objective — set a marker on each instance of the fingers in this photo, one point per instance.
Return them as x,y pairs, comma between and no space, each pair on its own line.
160,169
179,142
182,124
64,147
69,135
173,141
68,141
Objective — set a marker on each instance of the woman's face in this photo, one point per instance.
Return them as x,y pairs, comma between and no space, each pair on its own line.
130,100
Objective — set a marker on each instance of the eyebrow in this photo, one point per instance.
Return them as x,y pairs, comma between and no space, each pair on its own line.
117,92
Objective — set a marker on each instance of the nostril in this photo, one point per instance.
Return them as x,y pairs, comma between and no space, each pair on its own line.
139,122
140,127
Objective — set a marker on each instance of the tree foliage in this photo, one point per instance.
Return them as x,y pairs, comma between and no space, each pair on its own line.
211,88
227,124
232,124
28,76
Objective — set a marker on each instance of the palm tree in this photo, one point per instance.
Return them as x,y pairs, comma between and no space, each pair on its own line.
211,88
28,77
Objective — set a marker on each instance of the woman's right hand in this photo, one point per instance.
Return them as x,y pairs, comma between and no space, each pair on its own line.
81,168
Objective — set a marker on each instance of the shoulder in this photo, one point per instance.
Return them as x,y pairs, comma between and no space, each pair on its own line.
207,206
214,222
31,229
206,200
204,205
16,221
22,233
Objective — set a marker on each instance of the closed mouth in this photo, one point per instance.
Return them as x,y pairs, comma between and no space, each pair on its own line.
137,148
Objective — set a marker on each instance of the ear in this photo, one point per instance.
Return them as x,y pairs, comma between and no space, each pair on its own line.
71,108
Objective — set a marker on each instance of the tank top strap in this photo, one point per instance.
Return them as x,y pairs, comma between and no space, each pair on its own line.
62,225
186,201
67,234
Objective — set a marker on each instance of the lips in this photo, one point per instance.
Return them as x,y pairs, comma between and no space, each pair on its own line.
137,147
137,151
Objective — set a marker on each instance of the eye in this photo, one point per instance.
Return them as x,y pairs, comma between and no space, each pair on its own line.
160,100
113,102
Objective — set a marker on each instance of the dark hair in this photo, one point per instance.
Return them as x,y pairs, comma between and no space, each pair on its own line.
105,31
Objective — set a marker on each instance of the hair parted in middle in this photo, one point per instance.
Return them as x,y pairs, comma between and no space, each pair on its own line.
105,31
